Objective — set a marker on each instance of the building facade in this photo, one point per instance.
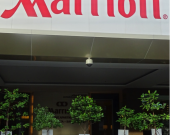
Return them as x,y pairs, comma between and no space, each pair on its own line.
44,45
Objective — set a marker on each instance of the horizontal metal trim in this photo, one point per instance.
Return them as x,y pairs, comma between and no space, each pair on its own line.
161,86
81,59
30,84
84,34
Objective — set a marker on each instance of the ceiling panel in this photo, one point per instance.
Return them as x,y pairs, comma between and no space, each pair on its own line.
41,73
15,44
159,50
70,75
67,46
120,48
77,48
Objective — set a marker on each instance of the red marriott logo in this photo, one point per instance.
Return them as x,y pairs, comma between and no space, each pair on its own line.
29,8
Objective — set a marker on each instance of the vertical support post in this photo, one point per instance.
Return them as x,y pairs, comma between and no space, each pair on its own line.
31,113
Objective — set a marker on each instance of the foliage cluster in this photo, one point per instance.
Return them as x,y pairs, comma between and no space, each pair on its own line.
125,117
45,119
9,105
150,120
145,121
83,110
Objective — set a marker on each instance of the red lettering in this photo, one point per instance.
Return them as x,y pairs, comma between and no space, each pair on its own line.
78,7
122,9
65,9
30,11
110,9
156,10
94,5
29,8
143,8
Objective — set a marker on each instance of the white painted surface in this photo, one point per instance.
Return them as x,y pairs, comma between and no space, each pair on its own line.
44,132
121,132
8,132
159,131
87,22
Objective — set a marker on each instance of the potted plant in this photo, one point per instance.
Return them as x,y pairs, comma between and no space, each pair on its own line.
45,120
125,119
84,110
152,120
12,101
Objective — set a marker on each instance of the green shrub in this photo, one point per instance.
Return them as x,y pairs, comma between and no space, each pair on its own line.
83,110
45,119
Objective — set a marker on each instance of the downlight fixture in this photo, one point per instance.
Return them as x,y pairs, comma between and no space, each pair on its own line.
89,62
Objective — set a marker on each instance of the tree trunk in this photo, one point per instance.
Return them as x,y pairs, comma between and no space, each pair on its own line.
154,125
88,127
85,129
47,131
124,130
7,120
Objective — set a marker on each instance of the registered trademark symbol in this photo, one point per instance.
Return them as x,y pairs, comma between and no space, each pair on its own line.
165,16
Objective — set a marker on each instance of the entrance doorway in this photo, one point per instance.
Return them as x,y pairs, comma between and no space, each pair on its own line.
110,105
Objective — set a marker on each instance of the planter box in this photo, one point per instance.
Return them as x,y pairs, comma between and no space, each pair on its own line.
3,133
50,132
152,132
121,132
158,131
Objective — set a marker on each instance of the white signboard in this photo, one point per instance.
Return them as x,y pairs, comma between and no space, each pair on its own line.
150,17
